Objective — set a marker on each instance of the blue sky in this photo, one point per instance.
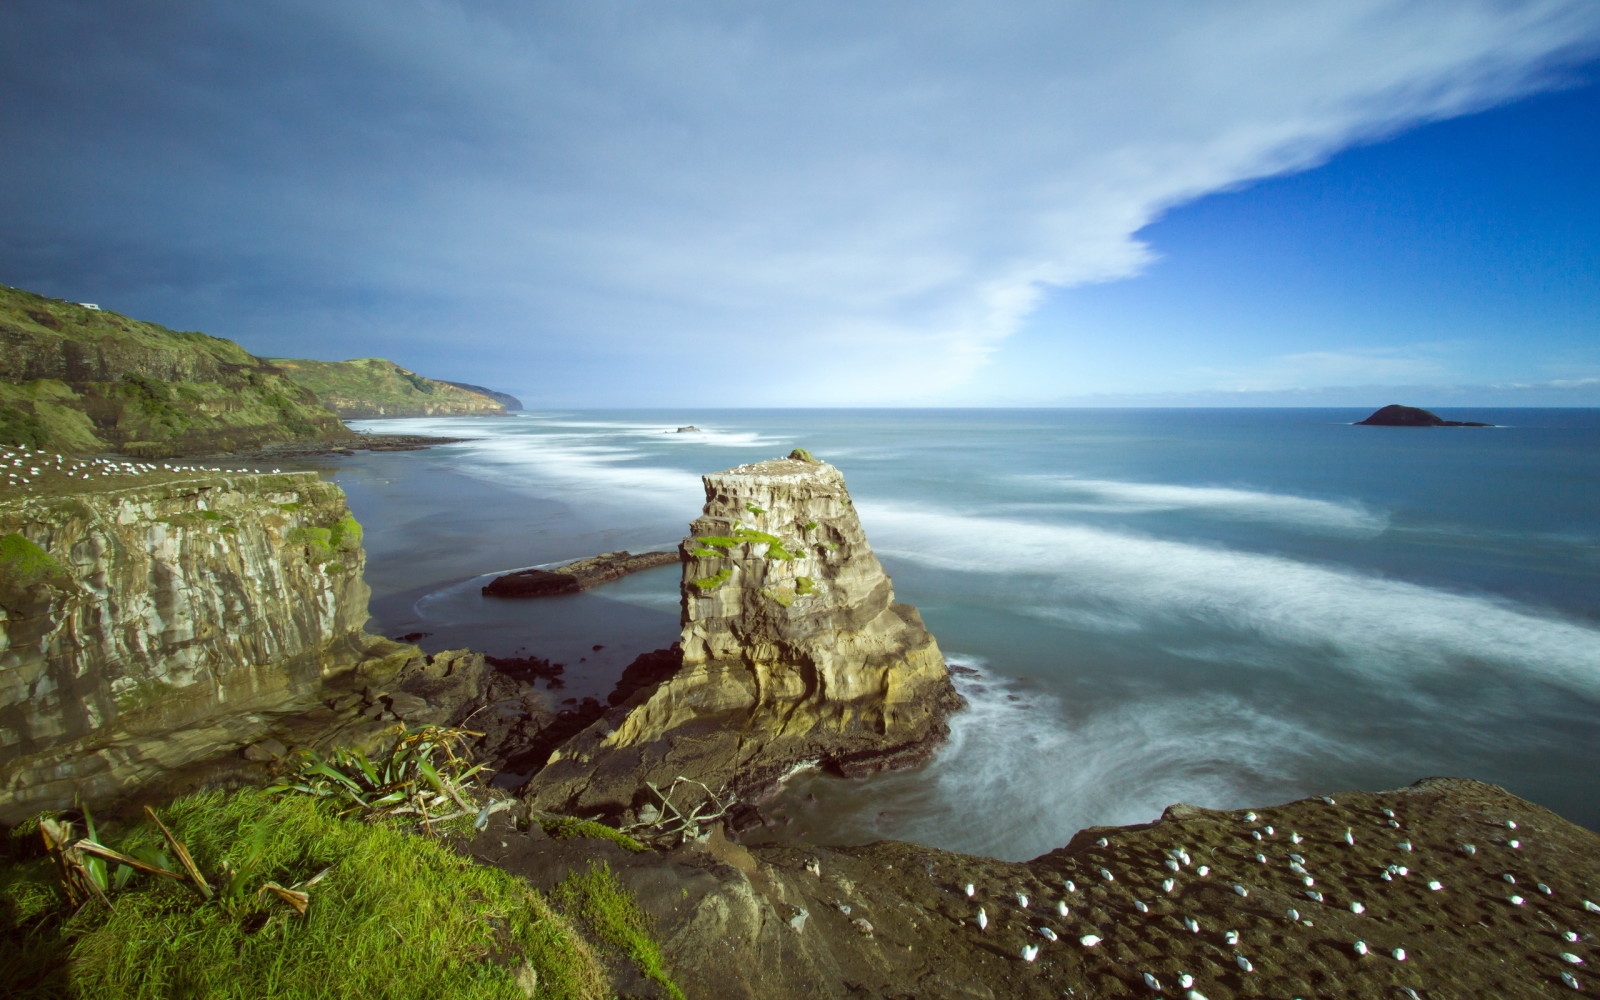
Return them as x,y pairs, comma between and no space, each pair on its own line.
744,204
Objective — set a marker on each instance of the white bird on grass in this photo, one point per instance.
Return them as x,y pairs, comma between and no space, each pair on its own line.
1030,952
1570,980
1357,908
1070,885
1061,907
1230,937
1048,934
1185,980
1360,947
1167,885
1152,982
971,889
1022,900
1241,890
983,920
1570,958
1399,954
1090,940
1243,963
1140,905
1192,925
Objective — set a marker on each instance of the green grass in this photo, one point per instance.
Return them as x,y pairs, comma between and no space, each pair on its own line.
715,580
569,828
608,907
25,562
397,916
375,387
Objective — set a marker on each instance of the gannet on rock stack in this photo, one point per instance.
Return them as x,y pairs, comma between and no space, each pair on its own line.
794,651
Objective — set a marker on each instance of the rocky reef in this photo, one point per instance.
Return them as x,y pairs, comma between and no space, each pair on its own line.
151,620
575,576
84,381
1395,415
793,653
368,388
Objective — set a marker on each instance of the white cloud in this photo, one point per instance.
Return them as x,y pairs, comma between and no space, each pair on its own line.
877,192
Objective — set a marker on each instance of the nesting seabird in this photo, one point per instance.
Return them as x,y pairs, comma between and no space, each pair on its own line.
1230,937
1022,900
1152,982
1030,952
1243,963
1360,947
1241,890
983,920
1048,934
1090,940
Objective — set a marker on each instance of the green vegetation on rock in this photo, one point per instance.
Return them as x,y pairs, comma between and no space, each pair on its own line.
804,585
715,580
25,563
79,380
325,544
607,906
396,915
569,828
375,387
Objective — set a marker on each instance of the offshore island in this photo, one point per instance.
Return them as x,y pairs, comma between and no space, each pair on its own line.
188,635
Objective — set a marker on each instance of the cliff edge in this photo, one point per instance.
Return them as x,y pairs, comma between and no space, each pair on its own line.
153,618
794,653
84,380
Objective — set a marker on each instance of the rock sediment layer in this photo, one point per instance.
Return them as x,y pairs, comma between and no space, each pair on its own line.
146,627
794,652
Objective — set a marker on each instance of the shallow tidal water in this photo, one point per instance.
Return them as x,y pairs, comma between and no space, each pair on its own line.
1219,607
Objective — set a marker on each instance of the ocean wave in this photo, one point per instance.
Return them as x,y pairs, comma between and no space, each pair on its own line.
1113,496
1386,628
1029,770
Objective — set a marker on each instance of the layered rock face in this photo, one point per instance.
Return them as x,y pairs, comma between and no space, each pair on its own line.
145,627
794,652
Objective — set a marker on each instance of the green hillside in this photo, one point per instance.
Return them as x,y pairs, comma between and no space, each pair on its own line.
374,387
80,380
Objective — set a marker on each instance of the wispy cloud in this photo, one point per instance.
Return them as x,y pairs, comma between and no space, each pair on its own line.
1315,369
856,201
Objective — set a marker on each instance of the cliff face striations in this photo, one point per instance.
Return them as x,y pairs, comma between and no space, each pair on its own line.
794,652
147,626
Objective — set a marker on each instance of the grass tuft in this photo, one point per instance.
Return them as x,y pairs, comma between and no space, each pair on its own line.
397,916
608,907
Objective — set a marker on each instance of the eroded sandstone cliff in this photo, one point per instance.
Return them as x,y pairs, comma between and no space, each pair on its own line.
161,619
794,652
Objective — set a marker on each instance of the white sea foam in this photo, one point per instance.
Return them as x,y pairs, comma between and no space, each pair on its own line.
1112,496
1387,628
1049,771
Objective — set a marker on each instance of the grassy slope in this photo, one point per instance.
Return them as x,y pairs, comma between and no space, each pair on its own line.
78,380
397,916
374,387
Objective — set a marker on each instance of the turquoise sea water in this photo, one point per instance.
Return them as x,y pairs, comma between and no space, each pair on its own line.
1222,607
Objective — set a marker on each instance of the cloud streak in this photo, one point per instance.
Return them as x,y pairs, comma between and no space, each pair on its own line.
862,201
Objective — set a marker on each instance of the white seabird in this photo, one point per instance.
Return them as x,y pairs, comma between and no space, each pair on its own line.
1090,940
1022,900
1357,908
1061,907
1515,900
971,889
1570,958
1107,875
1243,963
1030,952
1230,937
1185,980
1292,914
1435,886
1203,871
1192,925
1241,890
1167,884
1152,982
1360,947
1399,954
1140,905
1070,885
983,920
1570,980
1048,934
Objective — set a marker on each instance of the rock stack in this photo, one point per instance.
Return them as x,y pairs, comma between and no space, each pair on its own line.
793,653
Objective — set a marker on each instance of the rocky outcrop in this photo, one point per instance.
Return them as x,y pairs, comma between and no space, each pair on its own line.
794,652
575,576
369,388
1422,882
152,621
1395,415
83,381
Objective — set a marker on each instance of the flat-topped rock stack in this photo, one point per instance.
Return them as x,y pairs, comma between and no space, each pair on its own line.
794,652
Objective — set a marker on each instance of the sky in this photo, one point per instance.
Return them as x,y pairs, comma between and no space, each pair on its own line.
721,203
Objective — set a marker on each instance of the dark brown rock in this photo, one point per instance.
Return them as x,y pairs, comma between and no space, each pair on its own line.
576,576
1395,415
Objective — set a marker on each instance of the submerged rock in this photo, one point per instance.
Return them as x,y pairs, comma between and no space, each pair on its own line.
575,576
1395,415
793,649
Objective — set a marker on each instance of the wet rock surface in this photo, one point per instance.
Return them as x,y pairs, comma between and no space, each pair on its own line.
575,576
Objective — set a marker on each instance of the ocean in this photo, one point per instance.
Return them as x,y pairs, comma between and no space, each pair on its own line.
1223,607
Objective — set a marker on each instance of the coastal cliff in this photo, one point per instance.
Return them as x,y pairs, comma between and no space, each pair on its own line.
83,380
794,653
367,388
151,619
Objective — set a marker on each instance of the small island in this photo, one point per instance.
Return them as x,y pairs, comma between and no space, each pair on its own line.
1395,415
